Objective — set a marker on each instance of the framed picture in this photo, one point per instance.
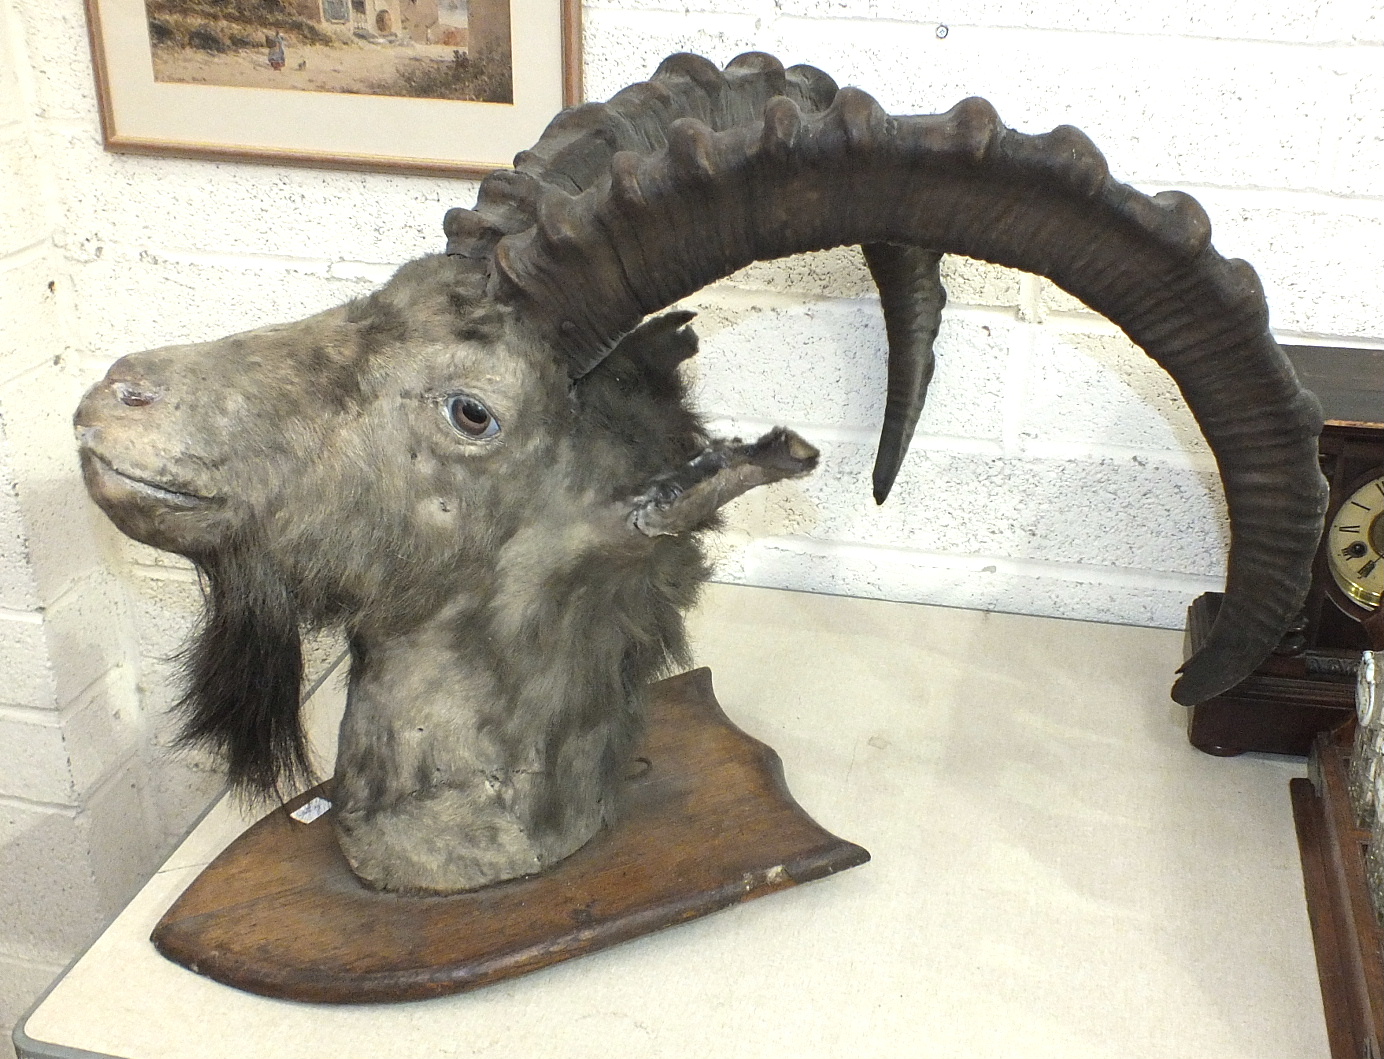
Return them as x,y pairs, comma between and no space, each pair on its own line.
423,86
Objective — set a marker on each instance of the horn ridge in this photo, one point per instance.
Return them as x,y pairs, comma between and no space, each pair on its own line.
783,121
962,183
811,87
576,149
1068,155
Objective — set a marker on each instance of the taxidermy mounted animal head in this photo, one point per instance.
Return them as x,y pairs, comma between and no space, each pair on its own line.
488,475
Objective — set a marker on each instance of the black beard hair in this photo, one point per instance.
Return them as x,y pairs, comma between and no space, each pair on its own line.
243,671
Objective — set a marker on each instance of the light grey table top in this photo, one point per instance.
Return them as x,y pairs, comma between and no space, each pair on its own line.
1056,872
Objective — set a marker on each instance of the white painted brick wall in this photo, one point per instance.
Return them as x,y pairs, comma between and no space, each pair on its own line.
1055,471
76,820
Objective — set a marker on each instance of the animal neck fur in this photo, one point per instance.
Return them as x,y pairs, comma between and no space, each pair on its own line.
489,742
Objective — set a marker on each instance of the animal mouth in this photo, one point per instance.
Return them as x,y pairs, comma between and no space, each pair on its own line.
112,476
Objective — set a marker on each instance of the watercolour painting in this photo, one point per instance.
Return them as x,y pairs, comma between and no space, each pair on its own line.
432,86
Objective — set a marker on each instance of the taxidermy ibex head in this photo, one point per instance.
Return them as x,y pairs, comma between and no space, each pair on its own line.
486,472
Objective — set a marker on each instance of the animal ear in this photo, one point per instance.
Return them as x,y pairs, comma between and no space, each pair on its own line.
688,498
663,342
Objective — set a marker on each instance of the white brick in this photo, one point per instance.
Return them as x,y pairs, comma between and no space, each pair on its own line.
29,679
685,7
55,38
37,408
1371,25
1322,267
1102,389
894,63
34,762
1053,299
29,329
101,731
60,758
160,688
82,638
56,906
824,364
972,282
181,785
1130,512
24,220
758,362
1089,594
77,870
1360,167
62,544
18,591
124,306
123,856
12,107
1351,20
164,610
826,8
228,208
320,650
56,512
839,273
1162,110
1192,18
621,48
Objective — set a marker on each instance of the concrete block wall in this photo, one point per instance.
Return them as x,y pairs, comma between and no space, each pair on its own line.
75,839
1055,471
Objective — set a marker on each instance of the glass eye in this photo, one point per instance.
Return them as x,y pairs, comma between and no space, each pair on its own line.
470,417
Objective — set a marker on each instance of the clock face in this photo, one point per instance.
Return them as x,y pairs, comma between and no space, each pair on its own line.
1355,541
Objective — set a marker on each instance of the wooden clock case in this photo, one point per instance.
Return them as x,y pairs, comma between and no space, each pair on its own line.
1308,685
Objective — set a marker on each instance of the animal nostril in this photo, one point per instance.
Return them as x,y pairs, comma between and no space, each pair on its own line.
134,396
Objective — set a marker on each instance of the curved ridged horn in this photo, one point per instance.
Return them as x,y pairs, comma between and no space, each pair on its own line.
962,183
576,152
909,279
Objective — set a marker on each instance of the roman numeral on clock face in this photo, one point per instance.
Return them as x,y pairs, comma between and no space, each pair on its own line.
1361,542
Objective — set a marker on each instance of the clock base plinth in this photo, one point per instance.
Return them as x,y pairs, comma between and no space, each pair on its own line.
1279,709
1345,932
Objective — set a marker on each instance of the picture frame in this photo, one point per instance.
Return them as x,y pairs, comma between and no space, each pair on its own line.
219,97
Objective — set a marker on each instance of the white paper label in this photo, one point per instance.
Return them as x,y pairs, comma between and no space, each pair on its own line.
309,812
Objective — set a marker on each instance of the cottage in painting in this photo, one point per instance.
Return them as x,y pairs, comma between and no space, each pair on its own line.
477,27
377,17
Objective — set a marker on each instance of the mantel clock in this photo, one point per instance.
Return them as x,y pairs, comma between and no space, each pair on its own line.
1307,685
